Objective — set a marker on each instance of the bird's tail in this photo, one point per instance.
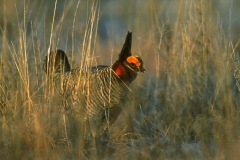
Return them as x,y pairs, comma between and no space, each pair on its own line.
56,62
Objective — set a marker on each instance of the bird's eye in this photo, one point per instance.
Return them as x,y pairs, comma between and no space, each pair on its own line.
132,65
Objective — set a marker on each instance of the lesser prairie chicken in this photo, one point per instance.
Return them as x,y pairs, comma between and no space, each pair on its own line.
100,89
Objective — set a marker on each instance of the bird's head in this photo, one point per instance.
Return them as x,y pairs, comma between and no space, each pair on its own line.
127,66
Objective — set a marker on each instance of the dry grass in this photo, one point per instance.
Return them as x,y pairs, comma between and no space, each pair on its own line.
186,107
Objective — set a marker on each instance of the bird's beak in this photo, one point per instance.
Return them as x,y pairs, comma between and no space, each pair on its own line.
143,70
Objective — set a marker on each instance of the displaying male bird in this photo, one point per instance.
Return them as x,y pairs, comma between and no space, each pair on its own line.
100,89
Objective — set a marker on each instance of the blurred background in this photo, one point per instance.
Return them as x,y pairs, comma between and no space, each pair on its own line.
144,18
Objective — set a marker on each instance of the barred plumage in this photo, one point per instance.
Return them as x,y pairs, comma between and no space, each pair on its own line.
99,89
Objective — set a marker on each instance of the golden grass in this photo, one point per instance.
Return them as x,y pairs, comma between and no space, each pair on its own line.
186,107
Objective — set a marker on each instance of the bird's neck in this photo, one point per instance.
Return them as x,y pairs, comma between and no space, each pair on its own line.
125,74
119,70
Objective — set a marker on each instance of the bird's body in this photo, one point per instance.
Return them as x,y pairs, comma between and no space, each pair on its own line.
101,89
